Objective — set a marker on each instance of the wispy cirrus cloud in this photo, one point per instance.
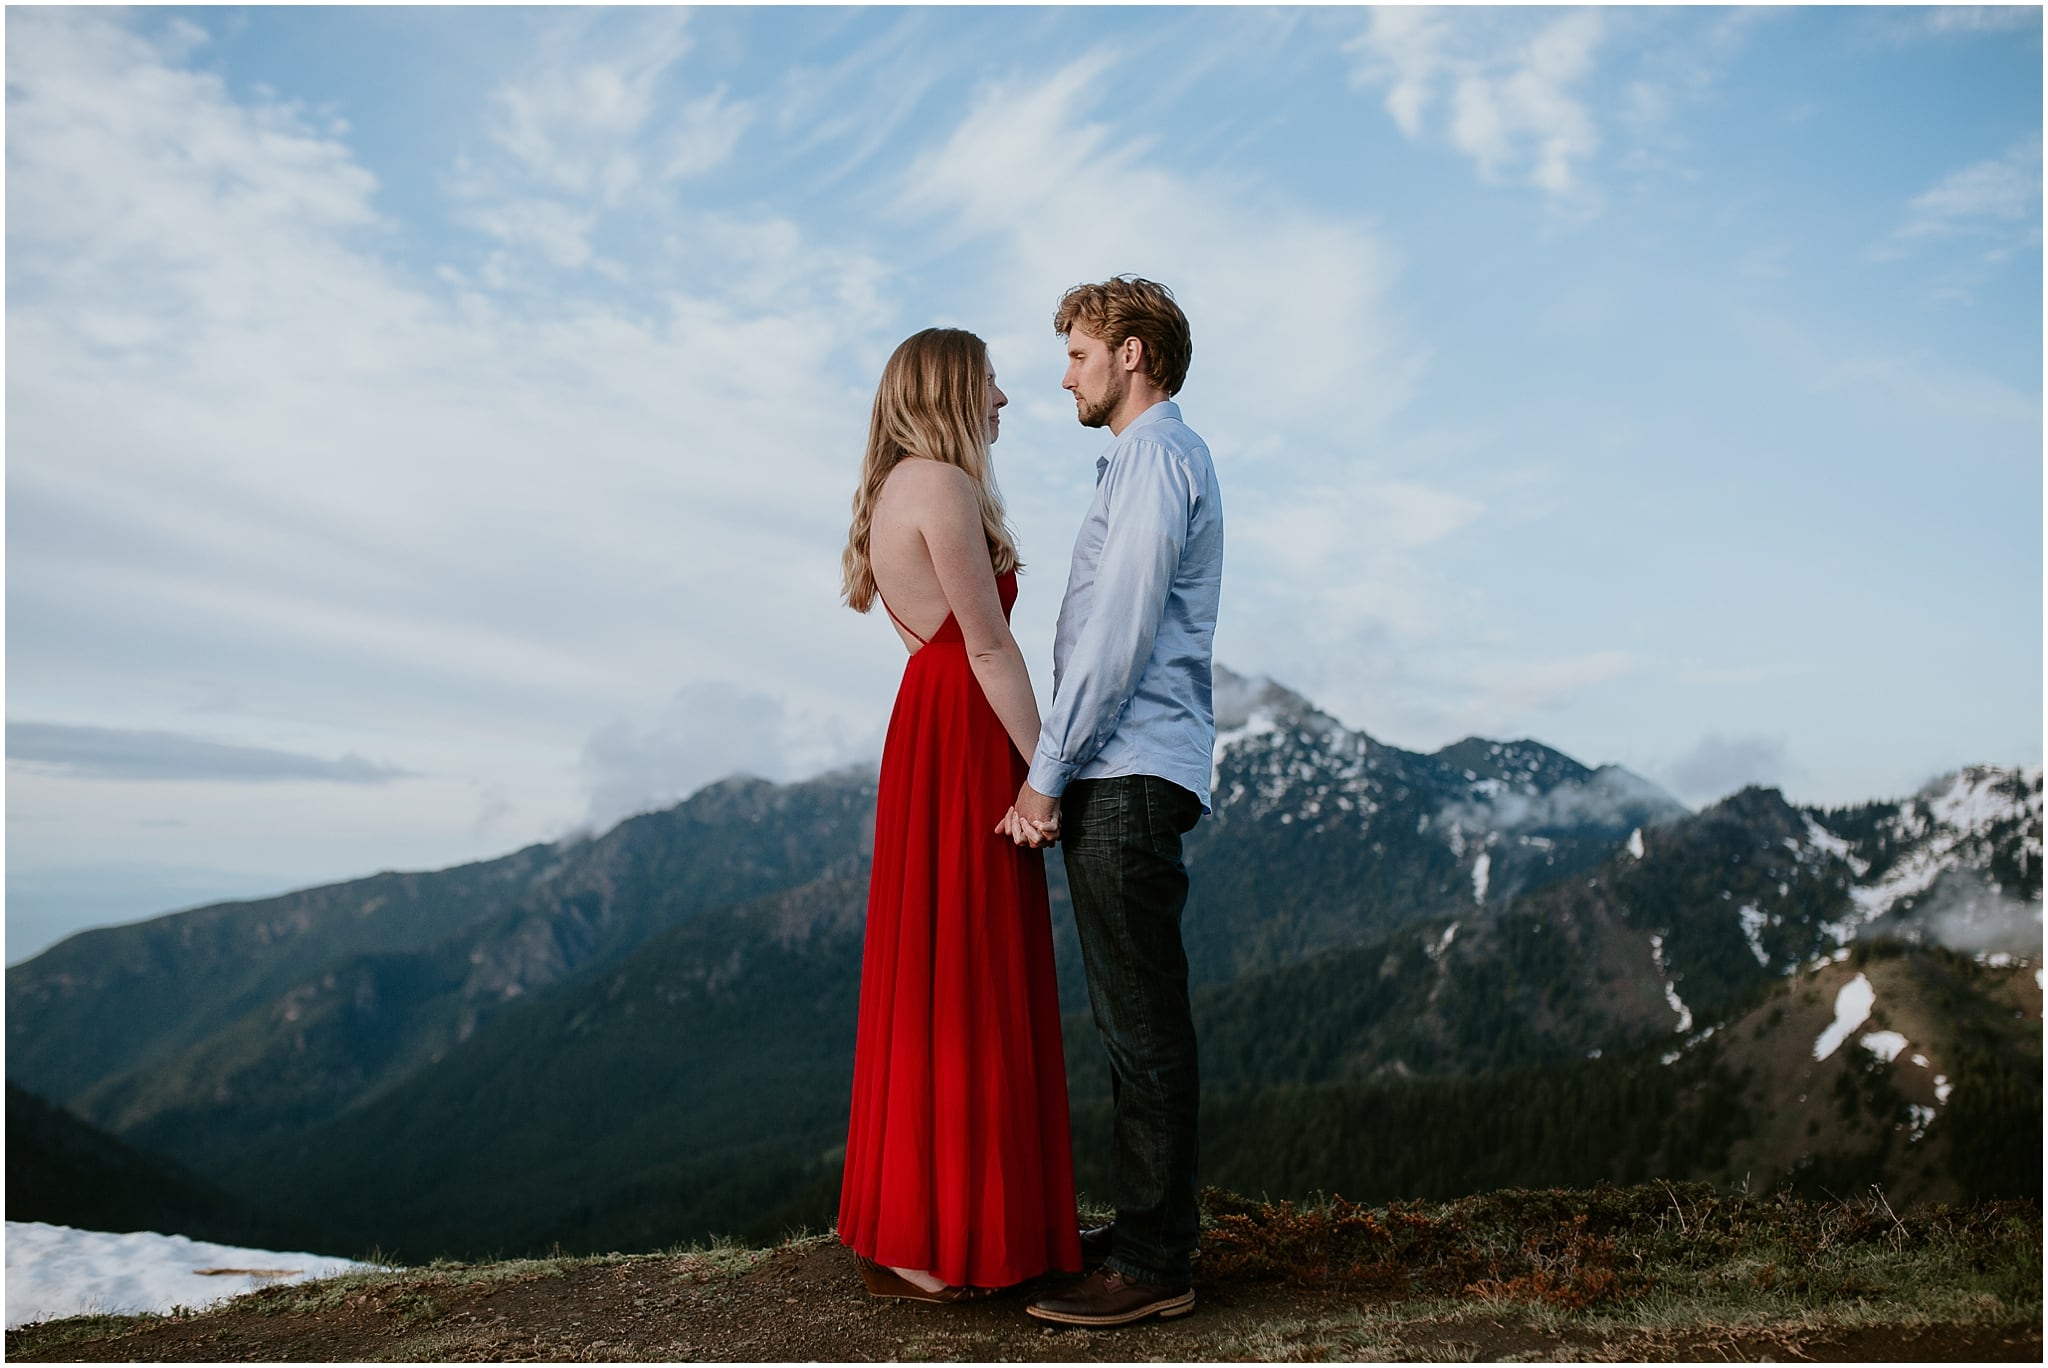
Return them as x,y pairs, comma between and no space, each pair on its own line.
598,128
1917,24
1504,87
121,753
1996,201
1034,166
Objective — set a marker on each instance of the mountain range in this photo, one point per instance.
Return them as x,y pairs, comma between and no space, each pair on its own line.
1556,973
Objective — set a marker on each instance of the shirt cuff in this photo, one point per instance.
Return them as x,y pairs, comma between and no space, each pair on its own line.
1050,776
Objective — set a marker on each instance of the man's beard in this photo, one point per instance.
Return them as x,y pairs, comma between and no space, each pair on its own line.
1097,414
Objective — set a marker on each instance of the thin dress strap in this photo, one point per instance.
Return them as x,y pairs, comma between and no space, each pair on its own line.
899,621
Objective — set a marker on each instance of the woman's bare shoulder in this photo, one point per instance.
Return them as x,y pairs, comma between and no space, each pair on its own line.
923,474
924,485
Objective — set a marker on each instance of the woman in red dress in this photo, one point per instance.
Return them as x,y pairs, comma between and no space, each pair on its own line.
959,1166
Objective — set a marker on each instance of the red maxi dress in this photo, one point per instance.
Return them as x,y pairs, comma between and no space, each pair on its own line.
958,1156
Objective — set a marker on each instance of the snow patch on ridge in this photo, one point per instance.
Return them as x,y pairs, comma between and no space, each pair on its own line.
1671,997
1852,1009
1753,920
55,1271
1937,830
1920,1116
1443,943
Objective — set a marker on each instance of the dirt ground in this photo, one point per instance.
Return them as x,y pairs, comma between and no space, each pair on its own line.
805,1302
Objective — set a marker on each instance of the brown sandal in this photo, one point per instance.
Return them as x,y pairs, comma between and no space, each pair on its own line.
887,1284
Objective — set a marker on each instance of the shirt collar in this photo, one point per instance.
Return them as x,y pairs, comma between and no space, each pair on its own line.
1159,413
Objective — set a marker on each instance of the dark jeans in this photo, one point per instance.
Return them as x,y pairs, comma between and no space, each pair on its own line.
1122,839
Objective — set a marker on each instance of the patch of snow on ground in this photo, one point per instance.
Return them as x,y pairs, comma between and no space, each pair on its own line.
1884,1044
1481,868
1942,1088
1920,1118
55,1271
1635,843
1920,1059
2041,979
1970,804
1753,921
1444,942
1670,989
1820,838
1852,1009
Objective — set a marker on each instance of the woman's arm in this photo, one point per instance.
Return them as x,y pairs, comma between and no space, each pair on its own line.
949,517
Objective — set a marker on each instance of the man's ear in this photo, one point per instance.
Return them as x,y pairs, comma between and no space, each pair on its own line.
1131,355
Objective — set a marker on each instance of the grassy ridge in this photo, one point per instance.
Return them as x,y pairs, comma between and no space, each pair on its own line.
1645,1272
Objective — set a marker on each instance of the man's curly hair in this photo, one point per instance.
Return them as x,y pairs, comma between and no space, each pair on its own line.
1131,306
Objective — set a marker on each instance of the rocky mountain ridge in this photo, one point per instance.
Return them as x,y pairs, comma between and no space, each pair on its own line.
653,1024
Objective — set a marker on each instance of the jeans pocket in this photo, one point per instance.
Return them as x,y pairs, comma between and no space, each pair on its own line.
1091,821
1170,812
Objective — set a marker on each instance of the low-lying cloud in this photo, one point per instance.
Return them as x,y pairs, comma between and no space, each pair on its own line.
1611,797
116,753
708,731
1719,765
1967,914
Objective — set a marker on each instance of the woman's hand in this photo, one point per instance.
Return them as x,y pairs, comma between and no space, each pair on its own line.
1027,833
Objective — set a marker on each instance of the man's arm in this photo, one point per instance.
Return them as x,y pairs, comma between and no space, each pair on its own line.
1149,503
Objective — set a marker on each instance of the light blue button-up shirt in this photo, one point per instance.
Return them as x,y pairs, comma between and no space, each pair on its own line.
1131,656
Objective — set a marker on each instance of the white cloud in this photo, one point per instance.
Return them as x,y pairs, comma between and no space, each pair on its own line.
1506,691
560,234
443,529
590,139
1916,25
707,732
1998,198
1286,304
124,753
1502,86
1718,765
706,132
572,122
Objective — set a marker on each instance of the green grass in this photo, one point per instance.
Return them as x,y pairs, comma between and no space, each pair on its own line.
1652,1257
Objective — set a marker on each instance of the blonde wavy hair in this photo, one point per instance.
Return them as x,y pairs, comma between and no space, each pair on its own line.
932,404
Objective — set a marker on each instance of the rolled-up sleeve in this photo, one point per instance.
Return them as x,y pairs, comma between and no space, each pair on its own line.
1148,498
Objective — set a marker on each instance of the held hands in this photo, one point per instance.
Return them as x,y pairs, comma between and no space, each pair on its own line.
1026,833
1033,821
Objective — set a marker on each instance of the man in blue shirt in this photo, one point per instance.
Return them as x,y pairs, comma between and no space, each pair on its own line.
1122,772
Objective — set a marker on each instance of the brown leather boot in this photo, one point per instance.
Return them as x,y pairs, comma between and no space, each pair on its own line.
1107,1297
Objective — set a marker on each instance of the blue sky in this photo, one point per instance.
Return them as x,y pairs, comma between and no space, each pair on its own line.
431,430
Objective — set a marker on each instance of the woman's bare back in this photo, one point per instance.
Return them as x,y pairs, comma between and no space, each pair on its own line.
913,496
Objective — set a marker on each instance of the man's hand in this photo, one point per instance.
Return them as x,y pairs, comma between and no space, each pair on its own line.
1027,834
1034,807
1033,820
